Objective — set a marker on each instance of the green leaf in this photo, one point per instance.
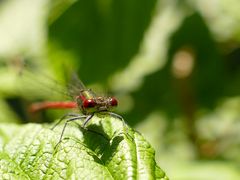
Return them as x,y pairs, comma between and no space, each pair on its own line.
106,150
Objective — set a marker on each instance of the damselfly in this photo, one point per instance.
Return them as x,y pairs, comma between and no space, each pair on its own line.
85,100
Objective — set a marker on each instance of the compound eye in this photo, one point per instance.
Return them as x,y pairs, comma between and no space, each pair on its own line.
113,101
89,103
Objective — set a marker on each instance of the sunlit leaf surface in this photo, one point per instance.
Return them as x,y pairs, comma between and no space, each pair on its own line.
107,150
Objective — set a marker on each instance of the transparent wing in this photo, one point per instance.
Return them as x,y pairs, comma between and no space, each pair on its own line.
76,86
35,85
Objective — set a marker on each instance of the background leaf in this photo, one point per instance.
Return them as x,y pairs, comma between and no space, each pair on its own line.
102,34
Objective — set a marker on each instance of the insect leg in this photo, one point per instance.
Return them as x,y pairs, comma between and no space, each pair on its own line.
119,117
123,122
65,125
64,117
87,120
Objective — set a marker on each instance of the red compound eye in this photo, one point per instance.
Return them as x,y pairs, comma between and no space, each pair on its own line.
113,101
89,103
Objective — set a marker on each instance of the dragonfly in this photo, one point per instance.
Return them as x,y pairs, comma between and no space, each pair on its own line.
86,100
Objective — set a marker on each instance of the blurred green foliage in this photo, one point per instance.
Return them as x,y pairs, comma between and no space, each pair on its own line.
132,49
103,35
